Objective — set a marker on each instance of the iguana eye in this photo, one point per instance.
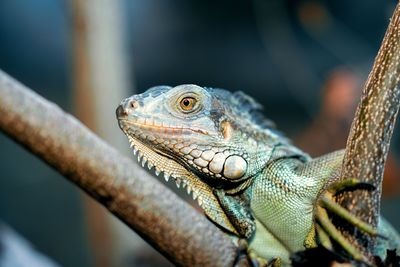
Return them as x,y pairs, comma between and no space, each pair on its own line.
188,103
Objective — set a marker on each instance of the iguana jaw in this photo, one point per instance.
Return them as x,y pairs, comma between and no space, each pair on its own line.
163,163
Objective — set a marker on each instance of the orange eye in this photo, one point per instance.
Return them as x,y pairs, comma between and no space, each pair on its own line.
188,103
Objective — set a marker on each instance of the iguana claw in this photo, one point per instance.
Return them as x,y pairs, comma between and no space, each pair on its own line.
327,231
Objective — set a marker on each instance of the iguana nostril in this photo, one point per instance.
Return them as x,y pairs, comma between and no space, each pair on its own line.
121,112
126,106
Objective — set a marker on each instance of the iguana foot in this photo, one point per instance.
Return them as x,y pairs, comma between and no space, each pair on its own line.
261,262
327,231
247,257
275,262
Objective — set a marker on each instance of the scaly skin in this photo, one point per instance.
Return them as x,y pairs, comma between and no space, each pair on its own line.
245,175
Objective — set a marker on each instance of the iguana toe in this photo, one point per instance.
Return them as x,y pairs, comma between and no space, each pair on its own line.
327,231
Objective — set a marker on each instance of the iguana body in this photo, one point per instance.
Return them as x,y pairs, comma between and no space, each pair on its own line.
294,185
245,175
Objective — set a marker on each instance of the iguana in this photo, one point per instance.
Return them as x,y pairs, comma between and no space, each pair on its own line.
246,176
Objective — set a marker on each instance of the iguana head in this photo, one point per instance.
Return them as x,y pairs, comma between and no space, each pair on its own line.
203,138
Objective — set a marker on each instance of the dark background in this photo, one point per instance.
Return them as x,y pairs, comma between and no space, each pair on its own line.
279,52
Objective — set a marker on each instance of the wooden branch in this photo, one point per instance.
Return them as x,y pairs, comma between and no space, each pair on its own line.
100,79
171,225
370,134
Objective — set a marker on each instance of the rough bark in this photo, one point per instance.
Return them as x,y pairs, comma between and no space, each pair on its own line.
369,139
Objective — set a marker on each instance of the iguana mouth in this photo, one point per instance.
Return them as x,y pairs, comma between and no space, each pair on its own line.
152,124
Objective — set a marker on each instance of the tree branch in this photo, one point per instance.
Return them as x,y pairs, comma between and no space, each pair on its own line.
171,225
370,134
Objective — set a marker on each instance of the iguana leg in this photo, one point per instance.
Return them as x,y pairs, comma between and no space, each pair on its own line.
238,211
326,230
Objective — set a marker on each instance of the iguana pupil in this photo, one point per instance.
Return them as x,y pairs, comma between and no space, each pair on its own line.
188,103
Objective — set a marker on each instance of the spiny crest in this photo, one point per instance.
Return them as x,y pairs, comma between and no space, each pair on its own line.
252,109
243,105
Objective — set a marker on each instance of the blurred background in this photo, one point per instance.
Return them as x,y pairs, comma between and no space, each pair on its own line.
304,60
